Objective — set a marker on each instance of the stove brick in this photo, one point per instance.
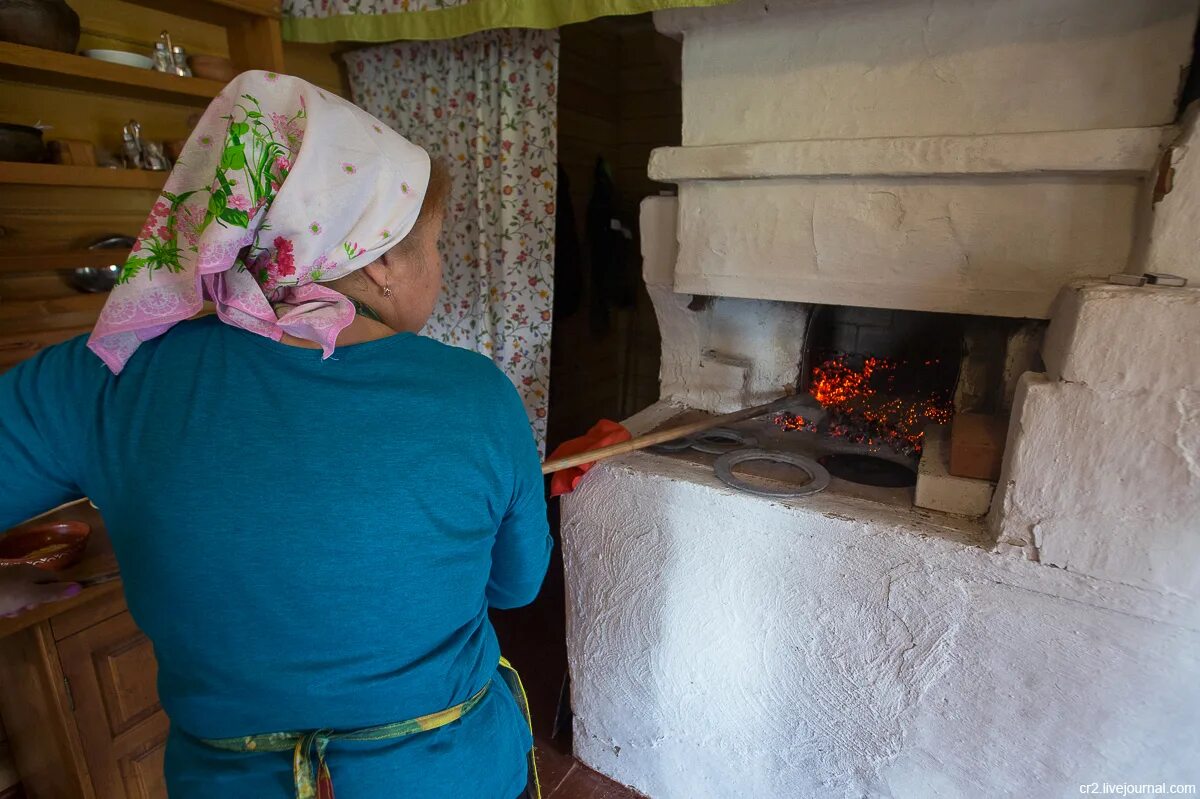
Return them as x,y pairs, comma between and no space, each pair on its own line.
977,445
1105,484
939,490
1125,338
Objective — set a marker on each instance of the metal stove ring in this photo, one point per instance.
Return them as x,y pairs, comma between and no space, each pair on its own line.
720,440
818,474
674,445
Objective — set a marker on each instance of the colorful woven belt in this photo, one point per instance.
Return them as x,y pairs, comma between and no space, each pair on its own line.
309,769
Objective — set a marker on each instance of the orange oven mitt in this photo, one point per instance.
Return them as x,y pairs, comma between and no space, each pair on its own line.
604,433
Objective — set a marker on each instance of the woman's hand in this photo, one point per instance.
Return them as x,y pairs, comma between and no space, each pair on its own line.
23,588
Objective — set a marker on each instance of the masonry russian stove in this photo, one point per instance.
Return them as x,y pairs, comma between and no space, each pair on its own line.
984,158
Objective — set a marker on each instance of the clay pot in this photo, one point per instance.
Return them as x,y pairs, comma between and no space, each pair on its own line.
49,24
213,67
21,143
53,546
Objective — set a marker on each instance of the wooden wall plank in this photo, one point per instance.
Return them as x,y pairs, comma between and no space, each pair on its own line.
640,45
631,155
598,75
580,155
590,42
587,127
656,103
645,78
660,131
574,95
319,64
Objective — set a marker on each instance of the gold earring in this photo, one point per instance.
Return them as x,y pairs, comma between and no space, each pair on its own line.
387,290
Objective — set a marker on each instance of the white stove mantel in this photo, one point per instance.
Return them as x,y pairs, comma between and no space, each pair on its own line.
966,156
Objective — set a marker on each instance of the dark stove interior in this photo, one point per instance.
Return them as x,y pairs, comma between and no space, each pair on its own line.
868,470
880,375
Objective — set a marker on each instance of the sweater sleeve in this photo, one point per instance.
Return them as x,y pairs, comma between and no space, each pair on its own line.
521,552
42,404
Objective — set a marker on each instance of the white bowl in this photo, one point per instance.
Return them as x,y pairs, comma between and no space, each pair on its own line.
120,57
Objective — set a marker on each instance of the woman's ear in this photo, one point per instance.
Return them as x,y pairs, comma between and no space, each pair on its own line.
399,266
378,271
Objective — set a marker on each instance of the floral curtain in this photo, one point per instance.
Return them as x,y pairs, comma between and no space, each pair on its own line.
389,20
484,104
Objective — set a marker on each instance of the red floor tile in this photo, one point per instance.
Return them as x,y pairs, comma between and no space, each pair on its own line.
553,767
583,783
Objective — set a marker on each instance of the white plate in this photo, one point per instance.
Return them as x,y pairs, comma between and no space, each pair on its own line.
120,57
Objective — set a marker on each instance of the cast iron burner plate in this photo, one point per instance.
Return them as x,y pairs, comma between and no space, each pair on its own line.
868,470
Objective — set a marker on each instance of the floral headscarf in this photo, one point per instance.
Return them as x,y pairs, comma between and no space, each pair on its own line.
280,187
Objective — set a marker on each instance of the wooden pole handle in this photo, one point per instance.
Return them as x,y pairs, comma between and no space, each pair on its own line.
668,434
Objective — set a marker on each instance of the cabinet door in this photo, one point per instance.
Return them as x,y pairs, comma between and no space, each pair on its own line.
111,672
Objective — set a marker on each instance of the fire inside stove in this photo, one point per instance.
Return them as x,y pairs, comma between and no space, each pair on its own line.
885,397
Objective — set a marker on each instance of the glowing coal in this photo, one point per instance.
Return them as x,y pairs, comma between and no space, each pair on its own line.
877,401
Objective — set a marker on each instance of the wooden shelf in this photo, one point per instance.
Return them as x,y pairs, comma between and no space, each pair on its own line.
22,317
13,172
67,71
37,308
71,259
21,346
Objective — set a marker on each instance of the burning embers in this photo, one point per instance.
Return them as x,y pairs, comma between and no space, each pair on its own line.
878,401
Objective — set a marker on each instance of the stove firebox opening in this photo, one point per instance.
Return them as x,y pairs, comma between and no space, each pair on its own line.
881,376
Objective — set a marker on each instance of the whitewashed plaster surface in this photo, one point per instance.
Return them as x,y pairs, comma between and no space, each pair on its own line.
1176,218
1124,150
1101,471
999,246
815,69
962,156
727,355
939,490
723,645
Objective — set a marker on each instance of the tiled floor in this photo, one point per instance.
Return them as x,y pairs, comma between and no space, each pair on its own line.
563,777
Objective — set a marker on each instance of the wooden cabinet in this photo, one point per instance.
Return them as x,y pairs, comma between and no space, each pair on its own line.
110,673
50,213
77,693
